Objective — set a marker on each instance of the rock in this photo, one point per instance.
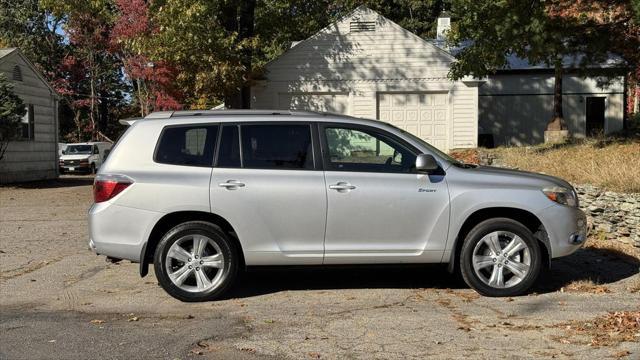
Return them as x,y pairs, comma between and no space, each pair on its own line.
615,214
626,206
606,228
595,209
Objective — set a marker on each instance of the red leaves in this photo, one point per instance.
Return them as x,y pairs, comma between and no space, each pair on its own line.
154,79
133,21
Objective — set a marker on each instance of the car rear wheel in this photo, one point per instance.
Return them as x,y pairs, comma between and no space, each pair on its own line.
500,257
195,261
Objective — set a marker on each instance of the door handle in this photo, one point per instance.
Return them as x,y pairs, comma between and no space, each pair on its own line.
231,184
342,186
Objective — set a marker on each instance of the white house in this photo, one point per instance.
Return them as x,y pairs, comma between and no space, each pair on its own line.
34,156
365,65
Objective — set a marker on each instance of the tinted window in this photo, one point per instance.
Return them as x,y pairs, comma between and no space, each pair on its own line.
229,152
358,150
187,145
277,147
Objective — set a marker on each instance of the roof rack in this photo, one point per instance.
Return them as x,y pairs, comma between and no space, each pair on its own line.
185,113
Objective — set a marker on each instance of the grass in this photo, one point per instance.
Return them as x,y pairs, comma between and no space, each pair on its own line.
612,164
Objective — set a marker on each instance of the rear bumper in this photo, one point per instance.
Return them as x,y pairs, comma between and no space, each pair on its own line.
566,228
119,231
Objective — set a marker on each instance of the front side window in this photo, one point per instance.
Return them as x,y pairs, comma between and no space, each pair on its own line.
191,145
275,146
360,150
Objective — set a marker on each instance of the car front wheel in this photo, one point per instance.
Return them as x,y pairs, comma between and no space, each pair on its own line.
195,261
500,257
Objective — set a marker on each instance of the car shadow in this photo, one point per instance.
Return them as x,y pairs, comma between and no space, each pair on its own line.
602,266
597,265
61,182
261,281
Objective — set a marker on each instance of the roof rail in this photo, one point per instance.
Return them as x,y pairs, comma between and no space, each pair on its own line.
185,113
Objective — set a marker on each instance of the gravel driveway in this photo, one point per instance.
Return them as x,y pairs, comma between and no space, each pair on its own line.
58,300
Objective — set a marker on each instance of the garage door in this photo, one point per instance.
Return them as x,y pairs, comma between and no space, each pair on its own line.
326,102
422,114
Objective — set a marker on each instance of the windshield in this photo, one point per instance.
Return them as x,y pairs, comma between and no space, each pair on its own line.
78,149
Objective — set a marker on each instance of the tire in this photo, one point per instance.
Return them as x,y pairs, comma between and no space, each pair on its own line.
218,247
482,268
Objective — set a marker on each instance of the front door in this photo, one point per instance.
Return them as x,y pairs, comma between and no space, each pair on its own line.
266,184
380,210
595,116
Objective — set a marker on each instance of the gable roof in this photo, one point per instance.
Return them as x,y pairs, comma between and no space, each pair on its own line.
341,27
364,10
5,54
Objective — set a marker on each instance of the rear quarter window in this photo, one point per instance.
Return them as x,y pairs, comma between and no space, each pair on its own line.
189,145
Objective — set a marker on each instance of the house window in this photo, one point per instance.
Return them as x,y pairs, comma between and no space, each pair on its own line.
17,73
28,124
362,26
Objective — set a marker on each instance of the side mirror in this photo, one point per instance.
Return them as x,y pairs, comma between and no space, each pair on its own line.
64,152
426,163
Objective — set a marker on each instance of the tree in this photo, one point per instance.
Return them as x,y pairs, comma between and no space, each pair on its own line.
152,82
210,43
537,31
26,25
92,72
610,26
12,110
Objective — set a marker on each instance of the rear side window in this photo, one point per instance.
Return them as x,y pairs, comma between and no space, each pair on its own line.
275,146
187,145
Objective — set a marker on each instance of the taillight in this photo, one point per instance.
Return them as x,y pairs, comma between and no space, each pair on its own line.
107,186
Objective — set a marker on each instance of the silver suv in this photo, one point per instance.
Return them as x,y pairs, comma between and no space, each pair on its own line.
202,195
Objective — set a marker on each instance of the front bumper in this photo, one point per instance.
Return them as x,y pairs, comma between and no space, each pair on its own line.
566,229
72,168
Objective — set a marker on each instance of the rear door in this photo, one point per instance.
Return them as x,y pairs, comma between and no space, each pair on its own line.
268,183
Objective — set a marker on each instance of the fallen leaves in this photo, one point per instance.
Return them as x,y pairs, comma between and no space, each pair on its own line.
586,286
610,329
97,321
621,354
468,156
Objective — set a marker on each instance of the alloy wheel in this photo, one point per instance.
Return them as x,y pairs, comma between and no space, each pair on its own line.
195,263
501,259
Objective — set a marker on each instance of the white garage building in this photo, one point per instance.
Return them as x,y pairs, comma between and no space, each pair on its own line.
365,65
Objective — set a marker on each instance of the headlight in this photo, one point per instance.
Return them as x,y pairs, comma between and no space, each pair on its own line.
561,195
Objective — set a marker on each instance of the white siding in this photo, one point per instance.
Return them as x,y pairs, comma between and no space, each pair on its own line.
362,65
516,107
34,159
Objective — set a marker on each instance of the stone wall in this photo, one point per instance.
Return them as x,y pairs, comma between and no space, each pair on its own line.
616,215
